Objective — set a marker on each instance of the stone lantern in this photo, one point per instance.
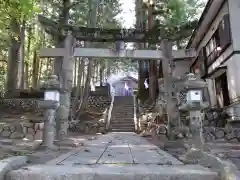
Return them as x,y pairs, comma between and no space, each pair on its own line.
50,104
194,105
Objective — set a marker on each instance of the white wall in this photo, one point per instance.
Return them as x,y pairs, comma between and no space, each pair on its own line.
233,74
120,86
234,15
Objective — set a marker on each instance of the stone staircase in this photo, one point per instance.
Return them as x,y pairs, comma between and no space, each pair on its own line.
122,118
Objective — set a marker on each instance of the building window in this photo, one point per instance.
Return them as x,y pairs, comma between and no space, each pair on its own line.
213,48
218,42
199,64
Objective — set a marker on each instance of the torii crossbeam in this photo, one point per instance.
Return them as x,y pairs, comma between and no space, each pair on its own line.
109,53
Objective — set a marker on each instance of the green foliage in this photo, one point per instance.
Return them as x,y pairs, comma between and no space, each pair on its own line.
17,9
177,18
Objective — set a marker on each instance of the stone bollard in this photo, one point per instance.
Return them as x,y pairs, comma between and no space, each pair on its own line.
194,104
50,105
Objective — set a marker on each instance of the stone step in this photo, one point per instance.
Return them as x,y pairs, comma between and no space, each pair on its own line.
123,112
119,108
118,111
116,129
122,108
129,116
116,171
122,120
122,129
123,102
122,126
122,117
127,104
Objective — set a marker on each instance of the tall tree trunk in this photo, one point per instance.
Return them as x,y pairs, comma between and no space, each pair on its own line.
108,68
81,66
91,24
29,33
13,57
39,75
87,85
78,92
22,56
152,80
75,72
94,71
142,71
152,63
101,73
26,75
35,70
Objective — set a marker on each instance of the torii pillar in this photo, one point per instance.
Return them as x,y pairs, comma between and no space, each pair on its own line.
170,88
65,78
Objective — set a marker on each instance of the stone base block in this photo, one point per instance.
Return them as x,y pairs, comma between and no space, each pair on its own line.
10,164
226,169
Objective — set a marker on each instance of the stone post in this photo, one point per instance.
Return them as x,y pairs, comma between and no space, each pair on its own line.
66,76
50,104
194,105
169,89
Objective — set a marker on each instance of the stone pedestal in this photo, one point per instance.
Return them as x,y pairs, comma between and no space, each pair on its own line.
49,129
62,116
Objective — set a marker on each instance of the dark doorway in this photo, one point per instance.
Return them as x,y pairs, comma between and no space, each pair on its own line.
222,90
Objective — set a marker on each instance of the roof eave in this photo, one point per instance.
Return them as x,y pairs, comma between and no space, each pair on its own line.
205,11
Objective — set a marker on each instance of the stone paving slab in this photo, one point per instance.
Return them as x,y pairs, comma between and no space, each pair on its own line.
88,155
117,155
113,172
119,148
152,155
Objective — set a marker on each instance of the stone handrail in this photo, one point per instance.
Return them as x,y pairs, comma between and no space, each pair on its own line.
109,113
135,114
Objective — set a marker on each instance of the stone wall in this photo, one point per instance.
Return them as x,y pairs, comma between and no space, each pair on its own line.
20,130
31,105
34,131
227,134
99,101
32,128
23,105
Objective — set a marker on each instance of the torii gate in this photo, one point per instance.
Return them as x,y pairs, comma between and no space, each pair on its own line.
166,54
